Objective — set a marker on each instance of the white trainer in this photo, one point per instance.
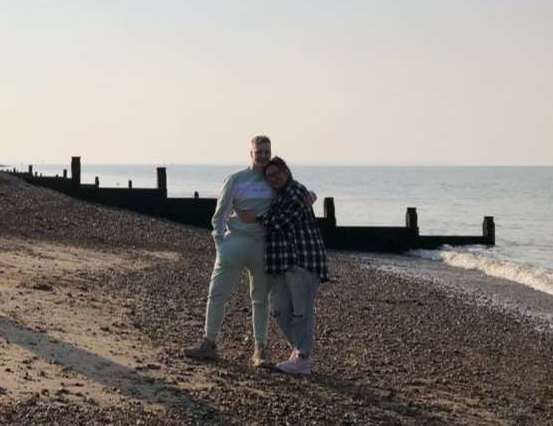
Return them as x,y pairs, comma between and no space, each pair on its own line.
296,365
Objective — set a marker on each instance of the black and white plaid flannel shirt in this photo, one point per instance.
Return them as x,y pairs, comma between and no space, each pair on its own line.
293,234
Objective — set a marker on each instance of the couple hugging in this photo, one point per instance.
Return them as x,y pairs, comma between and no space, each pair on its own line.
264,223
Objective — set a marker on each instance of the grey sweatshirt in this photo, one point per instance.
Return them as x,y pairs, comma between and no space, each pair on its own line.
243,190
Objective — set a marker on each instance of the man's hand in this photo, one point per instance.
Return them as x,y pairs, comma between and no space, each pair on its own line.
311,198
246,216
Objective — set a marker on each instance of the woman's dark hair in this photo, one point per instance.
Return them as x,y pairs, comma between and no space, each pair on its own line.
281,164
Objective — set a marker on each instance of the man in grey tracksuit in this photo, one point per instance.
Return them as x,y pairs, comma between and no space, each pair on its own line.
240,246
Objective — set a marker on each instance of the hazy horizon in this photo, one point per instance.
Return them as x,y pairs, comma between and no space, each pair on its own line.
433,83
22,166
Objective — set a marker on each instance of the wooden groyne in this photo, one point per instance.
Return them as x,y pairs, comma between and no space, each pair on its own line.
198,211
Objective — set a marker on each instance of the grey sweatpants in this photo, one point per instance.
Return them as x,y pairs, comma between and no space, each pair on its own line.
236,252
293,306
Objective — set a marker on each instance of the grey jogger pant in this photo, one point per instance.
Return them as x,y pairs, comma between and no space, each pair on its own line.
236,252
293,306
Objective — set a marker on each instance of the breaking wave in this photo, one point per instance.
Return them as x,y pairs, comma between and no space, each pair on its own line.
533,276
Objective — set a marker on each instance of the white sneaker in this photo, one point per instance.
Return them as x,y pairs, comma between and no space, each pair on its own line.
296,365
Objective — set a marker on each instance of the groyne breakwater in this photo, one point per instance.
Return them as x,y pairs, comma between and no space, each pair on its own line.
197,211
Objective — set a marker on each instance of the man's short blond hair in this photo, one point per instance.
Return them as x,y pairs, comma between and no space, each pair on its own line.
261,139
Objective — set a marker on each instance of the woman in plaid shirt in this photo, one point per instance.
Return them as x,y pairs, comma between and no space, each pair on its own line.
296,258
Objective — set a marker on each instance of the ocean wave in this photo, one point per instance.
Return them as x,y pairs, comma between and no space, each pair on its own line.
533,276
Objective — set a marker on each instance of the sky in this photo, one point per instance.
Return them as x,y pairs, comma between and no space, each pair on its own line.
360,82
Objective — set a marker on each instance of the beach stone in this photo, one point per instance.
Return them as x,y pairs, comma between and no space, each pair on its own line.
389,349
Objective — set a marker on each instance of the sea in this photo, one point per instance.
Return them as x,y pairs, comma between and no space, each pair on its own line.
518,271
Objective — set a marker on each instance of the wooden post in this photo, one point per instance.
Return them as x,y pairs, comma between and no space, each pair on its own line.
411,219
65,173
488,228
329,211
130,184
31,169
97,181
162,181
76,172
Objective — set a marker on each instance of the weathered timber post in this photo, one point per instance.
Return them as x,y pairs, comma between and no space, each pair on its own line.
130,184
196,194
97,182
76,173
31,169
65,173
162,181
411,219
489,230
329,211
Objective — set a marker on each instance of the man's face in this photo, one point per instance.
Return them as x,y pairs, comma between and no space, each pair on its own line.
261,154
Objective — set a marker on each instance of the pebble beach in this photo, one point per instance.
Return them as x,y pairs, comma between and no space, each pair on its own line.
97,305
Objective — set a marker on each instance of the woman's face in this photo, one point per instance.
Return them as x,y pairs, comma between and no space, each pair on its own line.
276,177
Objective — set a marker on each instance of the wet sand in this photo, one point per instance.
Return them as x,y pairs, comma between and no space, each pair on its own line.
97,305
